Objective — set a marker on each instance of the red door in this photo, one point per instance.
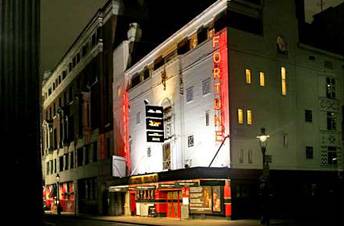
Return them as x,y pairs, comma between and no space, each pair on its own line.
173,204
132,204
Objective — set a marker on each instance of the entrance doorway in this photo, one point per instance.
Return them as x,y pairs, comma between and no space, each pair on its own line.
173,204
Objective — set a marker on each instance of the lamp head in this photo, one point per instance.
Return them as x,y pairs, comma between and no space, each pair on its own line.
146,101
263,138
57,178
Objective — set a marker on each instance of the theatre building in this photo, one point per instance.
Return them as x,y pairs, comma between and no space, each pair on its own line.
190,112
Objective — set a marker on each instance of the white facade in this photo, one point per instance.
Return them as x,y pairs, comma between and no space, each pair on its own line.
283,116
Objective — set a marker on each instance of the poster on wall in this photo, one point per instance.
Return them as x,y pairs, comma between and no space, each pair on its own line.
205,199
200,199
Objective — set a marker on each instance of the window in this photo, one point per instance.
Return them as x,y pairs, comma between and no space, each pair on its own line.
47,168
250,156
207,119
284,81
166,156
190,141
189,94
332,155
249,117
138,117
308,116
330,88
241,156
66,157
240,116
183,46
136,79
261,78
146,73
149,152
309,152
206,86
51,166
87,154
71,160
95,153
285,140
80,156
248,74
55,166
202,35
331,121
70,93
193,41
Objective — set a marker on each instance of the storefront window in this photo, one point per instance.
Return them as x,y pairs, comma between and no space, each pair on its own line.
206,199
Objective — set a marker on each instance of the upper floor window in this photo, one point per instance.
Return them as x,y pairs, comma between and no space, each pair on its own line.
206,86
308,116
261,78
331,121
249,117
240,116
136,79
189,94
331,155
330,88
207,118
248,74
309,152
284,80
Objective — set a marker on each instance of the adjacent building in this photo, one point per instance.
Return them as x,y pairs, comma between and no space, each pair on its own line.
190,111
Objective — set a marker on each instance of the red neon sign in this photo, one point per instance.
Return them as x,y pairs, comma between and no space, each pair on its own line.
125,119
220,76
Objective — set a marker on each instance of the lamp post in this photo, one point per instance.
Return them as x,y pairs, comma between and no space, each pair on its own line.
264,179
58,194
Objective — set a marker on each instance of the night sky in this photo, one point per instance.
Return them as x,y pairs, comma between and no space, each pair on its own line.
63,20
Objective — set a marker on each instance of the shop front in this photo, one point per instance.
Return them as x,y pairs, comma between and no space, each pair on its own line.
153,195
65,196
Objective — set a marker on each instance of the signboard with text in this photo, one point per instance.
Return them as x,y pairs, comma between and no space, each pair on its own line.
154,124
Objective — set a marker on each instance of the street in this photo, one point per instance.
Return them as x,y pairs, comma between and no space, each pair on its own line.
75,221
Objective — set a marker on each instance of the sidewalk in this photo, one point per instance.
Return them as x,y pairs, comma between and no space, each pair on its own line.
169,221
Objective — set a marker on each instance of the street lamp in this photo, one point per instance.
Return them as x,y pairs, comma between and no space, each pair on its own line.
263,138
58,194
264,179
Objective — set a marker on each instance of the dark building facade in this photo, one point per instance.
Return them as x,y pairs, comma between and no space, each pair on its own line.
19,114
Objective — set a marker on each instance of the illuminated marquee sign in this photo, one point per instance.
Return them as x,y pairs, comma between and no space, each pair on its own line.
220,76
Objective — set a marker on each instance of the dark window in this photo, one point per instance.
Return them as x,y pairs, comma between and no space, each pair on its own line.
71,160
70,67
206,86
66,157
80,156
49,91
158,63
55,166
308,116
135,80
189,94
95,152
331,121
309,152
64,74
146,73
332,156
55,139
78,58
202,35
60,79
70,94
51,167
48,170
87,154
61,163
190,141
183,46
330,88
207,119
84,50
71,128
